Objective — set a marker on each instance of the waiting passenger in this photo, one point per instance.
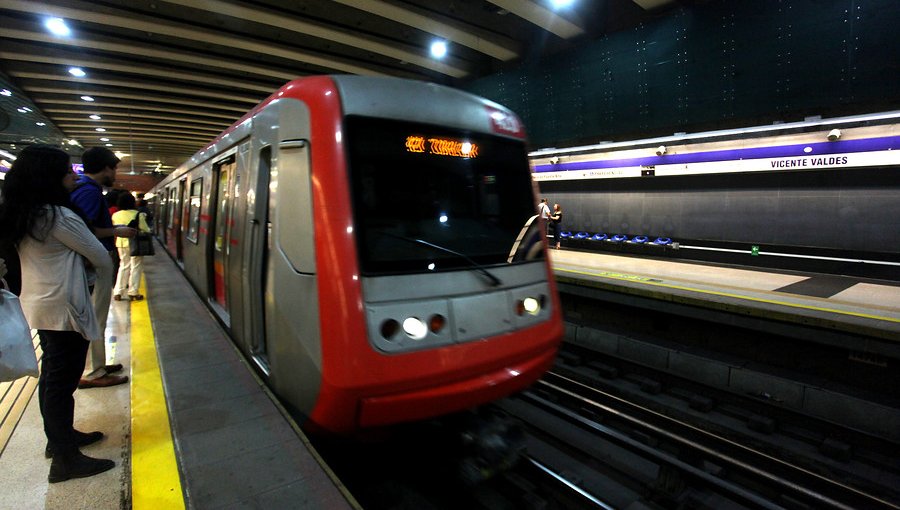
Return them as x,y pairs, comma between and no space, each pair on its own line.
54,246
556,220
100,166
130,268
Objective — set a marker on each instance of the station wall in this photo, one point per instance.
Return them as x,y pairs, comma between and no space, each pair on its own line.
856,211
715,65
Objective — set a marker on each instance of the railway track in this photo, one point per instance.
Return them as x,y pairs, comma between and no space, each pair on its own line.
628,454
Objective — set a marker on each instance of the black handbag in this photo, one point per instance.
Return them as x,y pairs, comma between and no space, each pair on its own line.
142,244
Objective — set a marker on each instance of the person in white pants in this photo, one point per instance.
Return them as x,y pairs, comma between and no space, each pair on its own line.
130,268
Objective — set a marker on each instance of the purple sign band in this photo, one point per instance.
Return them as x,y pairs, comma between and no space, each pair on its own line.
780,151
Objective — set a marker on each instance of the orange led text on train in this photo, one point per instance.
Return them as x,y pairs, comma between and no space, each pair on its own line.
441,147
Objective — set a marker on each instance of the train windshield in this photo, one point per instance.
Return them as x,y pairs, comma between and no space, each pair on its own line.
427,198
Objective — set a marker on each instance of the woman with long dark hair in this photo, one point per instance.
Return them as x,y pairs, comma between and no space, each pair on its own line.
54,246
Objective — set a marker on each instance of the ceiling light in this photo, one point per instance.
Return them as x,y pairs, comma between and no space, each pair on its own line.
101,130
77,71
57,26
40,123
562,4
5,92
74,142
439,49
87,98
104,139
121,155
109,145
95,117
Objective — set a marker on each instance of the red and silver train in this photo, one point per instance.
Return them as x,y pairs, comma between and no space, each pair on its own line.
371,245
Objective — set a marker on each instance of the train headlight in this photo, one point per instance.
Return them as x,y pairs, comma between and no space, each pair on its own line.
437,323
389,328
415,328
532,306
529,305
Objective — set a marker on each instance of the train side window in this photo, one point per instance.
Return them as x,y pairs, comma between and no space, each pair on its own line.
194,218
170,223
294,207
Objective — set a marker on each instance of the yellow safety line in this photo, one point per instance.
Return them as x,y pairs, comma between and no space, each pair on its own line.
155,482
727,294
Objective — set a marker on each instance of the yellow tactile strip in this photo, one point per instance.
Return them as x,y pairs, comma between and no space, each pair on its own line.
155,480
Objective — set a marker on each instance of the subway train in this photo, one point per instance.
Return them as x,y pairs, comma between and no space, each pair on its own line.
372,246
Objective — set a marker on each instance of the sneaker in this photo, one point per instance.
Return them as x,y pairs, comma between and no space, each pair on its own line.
75,464
136,297
81,439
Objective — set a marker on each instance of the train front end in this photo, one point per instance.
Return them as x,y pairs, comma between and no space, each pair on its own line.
436,294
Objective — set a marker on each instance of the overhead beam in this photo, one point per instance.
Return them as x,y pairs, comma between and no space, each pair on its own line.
499,50
279,20
155,72
187,32
540,16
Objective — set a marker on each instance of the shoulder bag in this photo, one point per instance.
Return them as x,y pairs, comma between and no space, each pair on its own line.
141,244
17,357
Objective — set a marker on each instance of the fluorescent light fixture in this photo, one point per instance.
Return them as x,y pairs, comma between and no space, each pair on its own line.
100,130
77,72
439,49
7,155
40,123
104,139
57,26
95,117
109,145
5,92
87,98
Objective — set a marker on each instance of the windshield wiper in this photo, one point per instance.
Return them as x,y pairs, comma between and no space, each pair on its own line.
481,269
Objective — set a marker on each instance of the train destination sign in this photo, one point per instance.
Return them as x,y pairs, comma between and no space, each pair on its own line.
441,147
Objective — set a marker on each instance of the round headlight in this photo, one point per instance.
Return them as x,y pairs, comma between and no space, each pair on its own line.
437,323
389,328
531,306
415,328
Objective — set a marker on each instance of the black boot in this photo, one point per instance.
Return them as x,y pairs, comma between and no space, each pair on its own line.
81,439
74,464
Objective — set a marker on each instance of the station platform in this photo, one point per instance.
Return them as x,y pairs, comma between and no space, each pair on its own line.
831,306
193,428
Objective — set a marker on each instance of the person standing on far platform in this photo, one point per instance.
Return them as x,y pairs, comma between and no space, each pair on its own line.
54,246
544,209
556,219
100,170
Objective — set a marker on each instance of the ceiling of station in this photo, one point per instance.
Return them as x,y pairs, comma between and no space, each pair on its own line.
167,76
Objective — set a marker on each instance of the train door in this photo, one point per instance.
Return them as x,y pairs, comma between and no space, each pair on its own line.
236,249
180,212
171,218
221,207
259,246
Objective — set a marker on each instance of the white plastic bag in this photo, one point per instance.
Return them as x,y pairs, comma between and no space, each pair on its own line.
17,358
